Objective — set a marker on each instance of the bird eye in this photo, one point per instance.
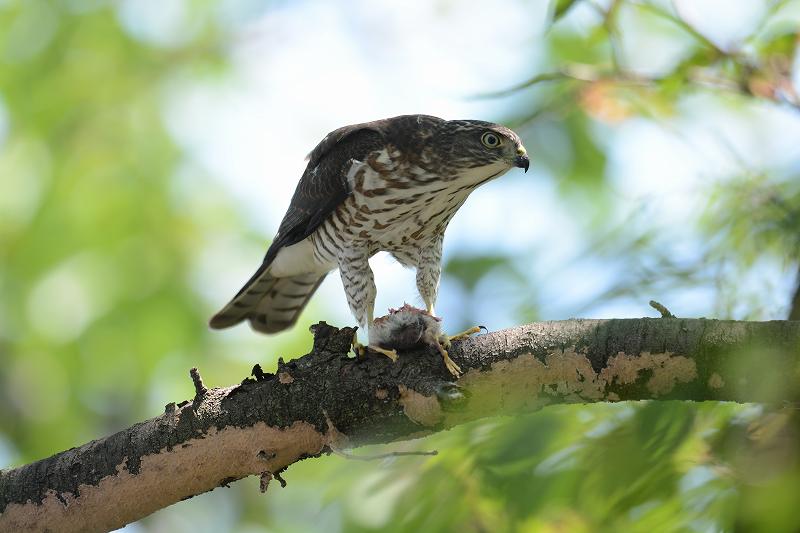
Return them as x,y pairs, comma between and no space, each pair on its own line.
490,140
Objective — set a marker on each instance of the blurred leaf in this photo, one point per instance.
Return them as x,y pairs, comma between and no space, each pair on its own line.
470,270
560,8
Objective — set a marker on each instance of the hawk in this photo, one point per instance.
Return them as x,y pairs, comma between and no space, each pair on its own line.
388,185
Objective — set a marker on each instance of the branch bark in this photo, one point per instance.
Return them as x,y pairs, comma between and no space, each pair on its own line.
327,400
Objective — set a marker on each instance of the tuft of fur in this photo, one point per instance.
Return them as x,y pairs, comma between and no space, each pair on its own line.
405,328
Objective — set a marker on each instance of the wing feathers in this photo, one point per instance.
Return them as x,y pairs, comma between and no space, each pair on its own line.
270,304
273,304
281,308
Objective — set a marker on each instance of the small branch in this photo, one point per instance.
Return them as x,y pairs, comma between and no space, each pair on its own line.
539,78
683,24
263,485
199,388
610,25
376,457
277,475
661,309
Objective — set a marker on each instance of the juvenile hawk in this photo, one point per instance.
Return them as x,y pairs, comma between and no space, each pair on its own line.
391,185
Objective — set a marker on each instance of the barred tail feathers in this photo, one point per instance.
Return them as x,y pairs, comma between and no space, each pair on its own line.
270,304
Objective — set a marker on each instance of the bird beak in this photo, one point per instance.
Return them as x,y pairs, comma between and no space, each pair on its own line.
522,160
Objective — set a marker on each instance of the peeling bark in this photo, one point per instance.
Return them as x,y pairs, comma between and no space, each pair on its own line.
314,403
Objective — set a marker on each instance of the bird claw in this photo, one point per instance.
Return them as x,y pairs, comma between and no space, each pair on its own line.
451,365
442,343
465,334
446,341
361,350
391,354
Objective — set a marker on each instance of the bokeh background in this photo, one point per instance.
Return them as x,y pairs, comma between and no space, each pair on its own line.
148,150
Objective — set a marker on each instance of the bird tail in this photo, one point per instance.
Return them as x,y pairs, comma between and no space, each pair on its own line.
270,304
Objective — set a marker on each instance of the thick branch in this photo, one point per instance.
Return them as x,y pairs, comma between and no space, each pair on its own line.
328,400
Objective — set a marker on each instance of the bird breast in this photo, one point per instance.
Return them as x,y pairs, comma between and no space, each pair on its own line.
396,204
402,202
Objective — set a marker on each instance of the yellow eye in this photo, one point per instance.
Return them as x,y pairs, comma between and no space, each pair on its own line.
490,140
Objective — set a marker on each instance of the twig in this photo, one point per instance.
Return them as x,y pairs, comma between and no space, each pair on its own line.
199,388
346,455
277,475
263,485
539,78
683,24
610,25
560,9
661,309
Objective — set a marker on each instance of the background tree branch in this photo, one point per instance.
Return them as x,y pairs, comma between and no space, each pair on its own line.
327,400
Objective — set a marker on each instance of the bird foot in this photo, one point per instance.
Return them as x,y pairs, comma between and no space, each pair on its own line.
445,341
451,365
391,354
463,334
361,350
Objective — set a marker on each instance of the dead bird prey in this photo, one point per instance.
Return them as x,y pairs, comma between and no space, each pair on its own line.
407,328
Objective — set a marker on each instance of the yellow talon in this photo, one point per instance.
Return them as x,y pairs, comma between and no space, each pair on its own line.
451,365
361,350
445,342
391,354
464,334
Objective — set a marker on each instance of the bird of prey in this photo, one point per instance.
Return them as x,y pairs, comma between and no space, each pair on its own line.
388,185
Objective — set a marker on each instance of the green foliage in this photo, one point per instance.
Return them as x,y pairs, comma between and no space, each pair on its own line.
96,252
560,8
625,467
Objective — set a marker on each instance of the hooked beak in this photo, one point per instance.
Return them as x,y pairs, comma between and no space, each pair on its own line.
522,160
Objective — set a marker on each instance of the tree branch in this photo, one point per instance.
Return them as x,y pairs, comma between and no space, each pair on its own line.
327,399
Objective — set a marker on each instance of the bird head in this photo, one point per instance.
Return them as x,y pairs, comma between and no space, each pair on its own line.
481,149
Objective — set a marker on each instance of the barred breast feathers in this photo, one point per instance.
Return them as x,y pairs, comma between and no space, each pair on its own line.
395,204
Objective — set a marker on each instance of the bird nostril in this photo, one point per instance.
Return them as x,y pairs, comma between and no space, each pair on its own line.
521,151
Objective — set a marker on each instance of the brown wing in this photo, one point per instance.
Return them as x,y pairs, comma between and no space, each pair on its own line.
322,188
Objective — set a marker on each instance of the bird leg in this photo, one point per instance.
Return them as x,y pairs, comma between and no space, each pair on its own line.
391,354
451,365
361,298
441,342
444,342
359,349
